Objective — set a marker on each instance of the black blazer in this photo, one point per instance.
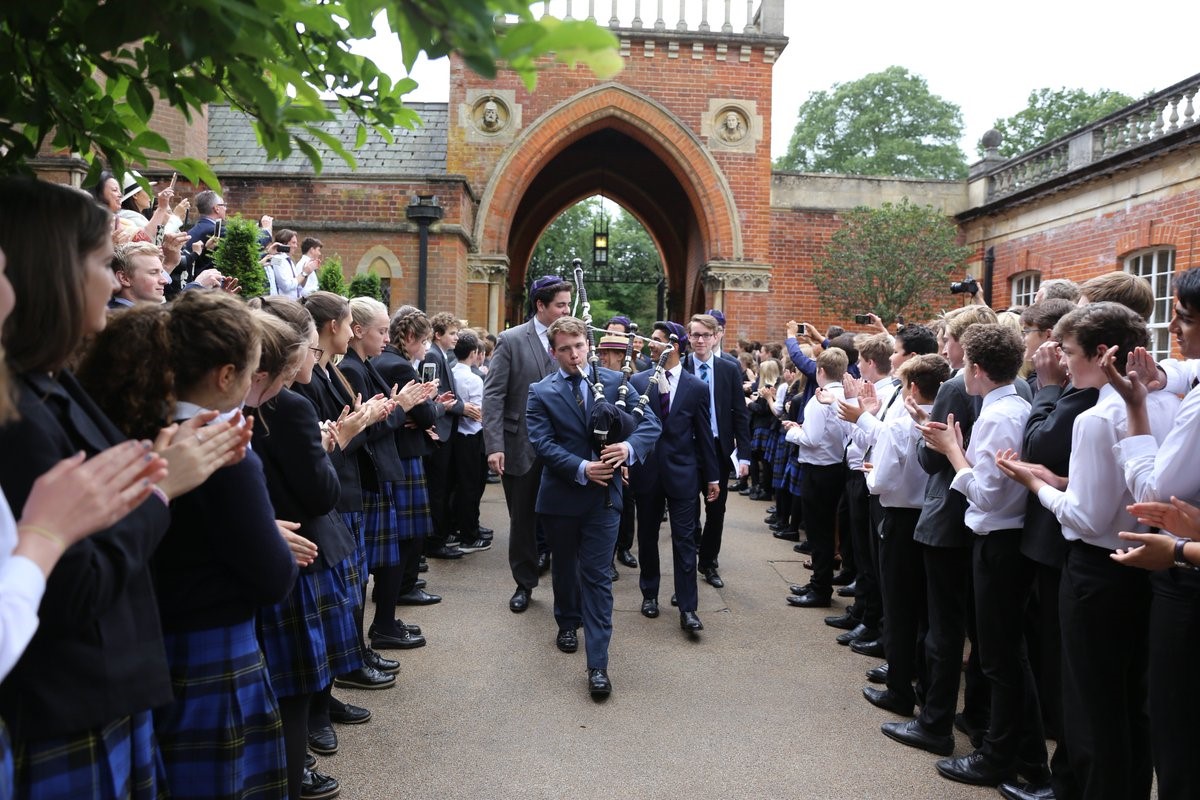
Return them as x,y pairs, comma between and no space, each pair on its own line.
301,479
733,421
329,403
685,457
942,516
447,419
1048,442
395,369
380,445
98,651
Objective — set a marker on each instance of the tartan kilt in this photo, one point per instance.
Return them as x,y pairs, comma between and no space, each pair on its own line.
222,737
759,439
120,760
411,496
340,597
777,453
381,529
793,472
356,564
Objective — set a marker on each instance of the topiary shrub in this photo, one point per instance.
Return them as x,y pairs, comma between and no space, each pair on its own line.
366,284
330,277
237,256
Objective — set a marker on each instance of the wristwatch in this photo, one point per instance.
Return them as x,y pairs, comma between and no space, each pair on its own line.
1180,561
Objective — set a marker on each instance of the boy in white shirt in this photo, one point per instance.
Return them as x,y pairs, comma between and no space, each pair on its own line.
995,513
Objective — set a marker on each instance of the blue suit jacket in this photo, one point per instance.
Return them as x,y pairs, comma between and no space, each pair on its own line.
685,457
561,436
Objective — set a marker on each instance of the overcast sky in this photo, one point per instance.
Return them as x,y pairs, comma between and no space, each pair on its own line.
985,57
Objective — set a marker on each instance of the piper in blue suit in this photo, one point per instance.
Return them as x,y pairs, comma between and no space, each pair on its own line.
683,462
579,499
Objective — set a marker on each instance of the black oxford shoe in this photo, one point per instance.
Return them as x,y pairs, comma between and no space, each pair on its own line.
845,621
365,677
1026,791
868,647
519,601
347,714
650,607
878,674
626,558
914,734
810,600
674,600
377,661
689,622
403,639
849,590
843,578
802,588
323,741
888,701
713,578
418,597
974,769
446,552
318,786
567,640
599,686
852,635
543,563
787,534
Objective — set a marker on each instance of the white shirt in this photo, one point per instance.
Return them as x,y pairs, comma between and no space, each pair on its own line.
670,381
540,330
21,588
1162,465
468,387
995,502
822,437
1092,509
288,277
897,477
711,381
860,439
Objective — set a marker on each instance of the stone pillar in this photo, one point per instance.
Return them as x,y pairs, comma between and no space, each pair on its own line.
489,273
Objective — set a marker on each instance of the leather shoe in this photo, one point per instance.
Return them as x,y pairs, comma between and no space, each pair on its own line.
845,621
415,630
599,686
689,622
843,578
365,677
318,786
650,607
800,588
804,547
445,552
974,769
810,600
543,563
626,558
347,714
323,741
878,674
519,601
402,639
868,647
771,519
420,583
787,534
423,566
854,634
888,701
568,640
418,597
713,579
849,590
914,734
1026,791
614,575
674,600
777,525
376,661
772,510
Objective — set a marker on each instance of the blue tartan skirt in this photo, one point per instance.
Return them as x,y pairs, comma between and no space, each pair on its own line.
120,760
381,528
759,438
777,452
793,472
356,567
310,637
411,497
222,736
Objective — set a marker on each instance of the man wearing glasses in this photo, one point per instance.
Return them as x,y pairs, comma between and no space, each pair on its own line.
202,237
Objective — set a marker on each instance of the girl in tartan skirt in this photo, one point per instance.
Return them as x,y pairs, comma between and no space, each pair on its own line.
762,426
78,701
223,556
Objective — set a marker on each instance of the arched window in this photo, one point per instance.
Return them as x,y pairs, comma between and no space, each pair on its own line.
1158,267
1024,287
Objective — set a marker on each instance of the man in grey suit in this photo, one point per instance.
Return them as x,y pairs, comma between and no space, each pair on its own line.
522,358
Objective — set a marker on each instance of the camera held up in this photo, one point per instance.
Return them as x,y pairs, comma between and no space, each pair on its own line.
967,285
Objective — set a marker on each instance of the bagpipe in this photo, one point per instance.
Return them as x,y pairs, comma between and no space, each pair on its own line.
659,369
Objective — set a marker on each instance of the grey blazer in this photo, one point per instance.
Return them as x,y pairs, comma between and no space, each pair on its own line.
519,361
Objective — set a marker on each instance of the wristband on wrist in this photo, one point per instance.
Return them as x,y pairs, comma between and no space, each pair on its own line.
1180,560
48,535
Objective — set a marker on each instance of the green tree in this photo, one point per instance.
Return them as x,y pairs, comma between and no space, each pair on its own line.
885,123
237,256
366,284
85,76
891,260
1052,113
330,277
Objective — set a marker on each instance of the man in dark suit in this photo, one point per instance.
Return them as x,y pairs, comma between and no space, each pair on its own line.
730,425
522,357
438,463
579,500
683,462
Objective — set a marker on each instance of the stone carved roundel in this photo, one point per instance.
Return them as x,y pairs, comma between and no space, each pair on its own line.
731,125
490,114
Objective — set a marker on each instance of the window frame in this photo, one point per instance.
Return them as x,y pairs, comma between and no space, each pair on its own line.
1147,263
1023,296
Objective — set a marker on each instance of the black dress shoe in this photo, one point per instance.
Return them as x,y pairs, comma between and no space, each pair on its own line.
802,588
599,686
843,578
310,760
567,640
626,558
543,563
323,741
445,551
868,647
810,599
420,583
771,519
772,510
365,678
519,601
854,634
674,600
1026,791
346,714
418,597
845,621
804,547
318,786
888,701
423,566
401,639
849,590
650,607
787,534
974,731
974,769
376,661
878,674
780,525
689,622
755,494
914,734
613,574
713,578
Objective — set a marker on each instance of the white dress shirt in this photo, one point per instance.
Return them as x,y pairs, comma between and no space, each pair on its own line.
540,330
670,381
860,439
822,437
21,588
995,502
711,382
1092,508
897,477
1164,464
468,387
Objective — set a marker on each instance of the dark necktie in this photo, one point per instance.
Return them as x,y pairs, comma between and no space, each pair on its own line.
895,394
664,395
575,381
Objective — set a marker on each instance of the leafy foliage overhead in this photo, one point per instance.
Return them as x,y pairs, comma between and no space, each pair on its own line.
885,123
1052,113
86,76
893,260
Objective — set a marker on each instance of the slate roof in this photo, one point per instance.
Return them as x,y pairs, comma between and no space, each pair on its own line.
233,148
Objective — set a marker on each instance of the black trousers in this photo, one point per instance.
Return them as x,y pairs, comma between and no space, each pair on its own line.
1015,737
520,495
714,517
947,583
1174,710
902,586
820,490
1104,610
625,533
650,505
469,465
868,605
438,479
845,539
